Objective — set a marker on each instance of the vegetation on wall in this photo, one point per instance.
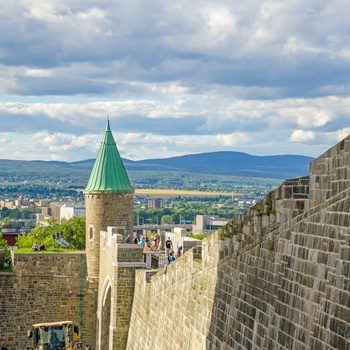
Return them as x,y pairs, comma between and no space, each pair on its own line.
4,245
72,230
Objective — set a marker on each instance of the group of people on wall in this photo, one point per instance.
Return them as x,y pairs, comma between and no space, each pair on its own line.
154,243
36,247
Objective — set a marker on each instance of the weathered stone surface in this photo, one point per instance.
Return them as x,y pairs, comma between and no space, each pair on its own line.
288,290
45,288
103,210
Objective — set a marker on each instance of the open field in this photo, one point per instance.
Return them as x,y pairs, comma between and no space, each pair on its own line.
160,193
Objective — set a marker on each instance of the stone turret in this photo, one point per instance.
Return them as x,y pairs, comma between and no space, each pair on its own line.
108,200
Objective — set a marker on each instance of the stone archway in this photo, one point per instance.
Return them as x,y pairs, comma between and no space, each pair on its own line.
105,318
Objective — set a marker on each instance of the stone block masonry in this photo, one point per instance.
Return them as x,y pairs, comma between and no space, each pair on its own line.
103,210
276,277
46,288
116,288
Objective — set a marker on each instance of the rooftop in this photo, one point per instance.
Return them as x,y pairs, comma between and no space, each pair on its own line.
108,173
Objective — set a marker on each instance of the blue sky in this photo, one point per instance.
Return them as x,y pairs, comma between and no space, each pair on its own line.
175,77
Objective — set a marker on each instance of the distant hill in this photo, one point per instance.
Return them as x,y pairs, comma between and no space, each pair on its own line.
229,163
193,170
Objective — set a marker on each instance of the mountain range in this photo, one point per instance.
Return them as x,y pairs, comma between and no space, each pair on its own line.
229,163
189,171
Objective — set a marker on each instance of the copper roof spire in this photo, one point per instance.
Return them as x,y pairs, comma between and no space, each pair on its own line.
108,173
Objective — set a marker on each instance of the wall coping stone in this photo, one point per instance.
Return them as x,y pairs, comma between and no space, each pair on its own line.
130,264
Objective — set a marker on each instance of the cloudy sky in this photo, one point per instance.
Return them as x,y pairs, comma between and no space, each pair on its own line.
175,77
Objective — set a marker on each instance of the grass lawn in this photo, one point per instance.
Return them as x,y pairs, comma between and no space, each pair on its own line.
46,251
6,268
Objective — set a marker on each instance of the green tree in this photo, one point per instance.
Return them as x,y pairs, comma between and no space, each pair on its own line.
74,231
40,234
5,212
4,245
166,219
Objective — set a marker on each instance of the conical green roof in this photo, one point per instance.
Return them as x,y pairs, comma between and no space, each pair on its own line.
108,174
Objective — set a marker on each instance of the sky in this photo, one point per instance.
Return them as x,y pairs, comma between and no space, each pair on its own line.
173,77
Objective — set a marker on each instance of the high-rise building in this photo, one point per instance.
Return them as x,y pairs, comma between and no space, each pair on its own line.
154,203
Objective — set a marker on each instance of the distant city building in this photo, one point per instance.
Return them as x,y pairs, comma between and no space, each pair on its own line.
70,210
6,203
19,203
55,210
43,203
23,203
208,223
59,211
13,229
154,203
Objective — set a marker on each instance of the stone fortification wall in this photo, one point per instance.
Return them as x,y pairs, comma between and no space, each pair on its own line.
330,173
277,277
172,311
45,288
116,288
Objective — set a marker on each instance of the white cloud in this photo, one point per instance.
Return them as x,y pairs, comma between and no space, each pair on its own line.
175,77
235,139
42,73
341,134
302,136
316,118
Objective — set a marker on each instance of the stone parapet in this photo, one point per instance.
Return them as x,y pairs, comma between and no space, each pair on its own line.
41,264
330,173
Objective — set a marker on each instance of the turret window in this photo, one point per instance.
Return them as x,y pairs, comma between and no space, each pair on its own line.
91,232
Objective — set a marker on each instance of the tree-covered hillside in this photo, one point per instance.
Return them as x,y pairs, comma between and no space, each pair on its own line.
207,171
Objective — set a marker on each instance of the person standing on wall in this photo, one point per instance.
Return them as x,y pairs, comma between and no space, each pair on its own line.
168,246
171,258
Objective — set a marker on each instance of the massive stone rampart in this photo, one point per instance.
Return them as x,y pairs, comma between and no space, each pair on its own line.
46,287
277,277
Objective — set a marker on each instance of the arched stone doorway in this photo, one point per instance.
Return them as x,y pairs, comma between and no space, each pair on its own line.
106,318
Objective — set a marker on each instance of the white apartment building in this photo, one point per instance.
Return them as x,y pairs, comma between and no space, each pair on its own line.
67,211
